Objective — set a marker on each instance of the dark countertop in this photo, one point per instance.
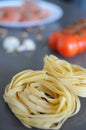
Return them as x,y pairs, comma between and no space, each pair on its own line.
11,64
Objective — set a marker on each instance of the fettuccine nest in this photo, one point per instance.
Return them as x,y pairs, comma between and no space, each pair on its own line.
47,98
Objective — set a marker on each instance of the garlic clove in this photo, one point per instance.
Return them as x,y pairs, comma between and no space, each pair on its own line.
27,45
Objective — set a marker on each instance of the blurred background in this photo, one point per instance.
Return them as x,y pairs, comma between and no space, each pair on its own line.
79,3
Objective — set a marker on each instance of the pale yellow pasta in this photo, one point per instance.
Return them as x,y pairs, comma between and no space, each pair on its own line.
72,76
47,98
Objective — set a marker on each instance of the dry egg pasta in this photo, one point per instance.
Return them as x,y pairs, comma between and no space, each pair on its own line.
47,98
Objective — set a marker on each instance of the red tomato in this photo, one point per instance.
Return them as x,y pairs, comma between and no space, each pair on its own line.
52,41
67,46
81,42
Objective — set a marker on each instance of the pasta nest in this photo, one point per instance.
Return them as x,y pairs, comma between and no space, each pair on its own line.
72,76
45,99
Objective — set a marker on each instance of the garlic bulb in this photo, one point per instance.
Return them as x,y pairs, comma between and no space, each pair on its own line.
11,43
